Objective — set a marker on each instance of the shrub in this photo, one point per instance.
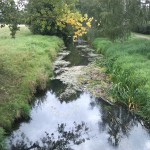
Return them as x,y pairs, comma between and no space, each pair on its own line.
144,29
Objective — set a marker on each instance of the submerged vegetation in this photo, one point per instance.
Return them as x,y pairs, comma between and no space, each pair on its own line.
128,63
25,66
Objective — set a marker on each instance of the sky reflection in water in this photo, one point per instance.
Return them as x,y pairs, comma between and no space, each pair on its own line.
86,123
109,127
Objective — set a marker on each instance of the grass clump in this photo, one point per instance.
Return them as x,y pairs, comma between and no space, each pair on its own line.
128,63
103,45
25,65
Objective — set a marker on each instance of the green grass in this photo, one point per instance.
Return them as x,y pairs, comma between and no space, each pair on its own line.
129,65
25,65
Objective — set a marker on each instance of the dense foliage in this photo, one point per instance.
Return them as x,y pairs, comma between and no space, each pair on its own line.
46,17
115,19
9,15
56,18
144,28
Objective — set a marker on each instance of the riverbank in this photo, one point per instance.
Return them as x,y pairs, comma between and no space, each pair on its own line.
128,65
25,66
73,98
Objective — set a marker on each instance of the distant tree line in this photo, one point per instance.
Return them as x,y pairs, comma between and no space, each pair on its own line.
114,19
144,27
117,18
47,17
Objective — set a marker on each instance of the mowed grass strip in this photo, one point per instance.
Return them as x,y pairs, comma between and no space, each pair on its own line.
25,65
129,65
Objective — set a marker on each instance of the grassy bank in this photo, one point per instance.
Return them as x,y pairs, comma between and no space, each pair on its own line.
129,66
25,65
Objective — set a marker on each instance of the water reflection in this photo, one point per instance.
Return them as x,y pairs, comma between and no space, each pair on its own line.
118,122
77,56
62,140
59,89
39,98
109,127
50,127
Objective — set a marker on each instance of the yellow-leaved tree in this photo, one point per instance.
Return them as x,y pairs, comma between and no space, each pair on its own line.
80,23
54,17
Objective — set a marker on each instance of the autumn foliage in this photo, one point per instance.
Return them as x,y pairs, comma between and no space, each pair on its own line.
56,18
79,23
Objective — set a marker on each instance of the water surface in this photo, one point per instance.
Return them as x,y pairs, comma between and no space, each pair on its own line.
79,122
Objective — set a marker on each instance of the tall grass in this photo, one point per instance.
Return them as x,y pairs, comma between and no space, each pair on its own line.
2,141
129,65
25,65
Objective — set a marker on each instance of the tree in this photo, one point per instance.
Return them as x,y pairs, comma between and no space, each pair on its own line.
143,23
56,18
9,15
115,19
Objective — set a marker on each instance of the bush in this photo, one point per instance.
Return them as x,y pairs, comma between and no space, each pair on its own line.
144,29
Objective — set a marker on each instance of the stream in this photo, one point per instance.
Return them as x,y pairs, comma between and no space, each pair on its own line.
66,117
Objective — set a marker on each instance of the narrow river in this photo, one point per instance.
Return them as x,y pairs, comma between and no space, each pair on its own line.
78,121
